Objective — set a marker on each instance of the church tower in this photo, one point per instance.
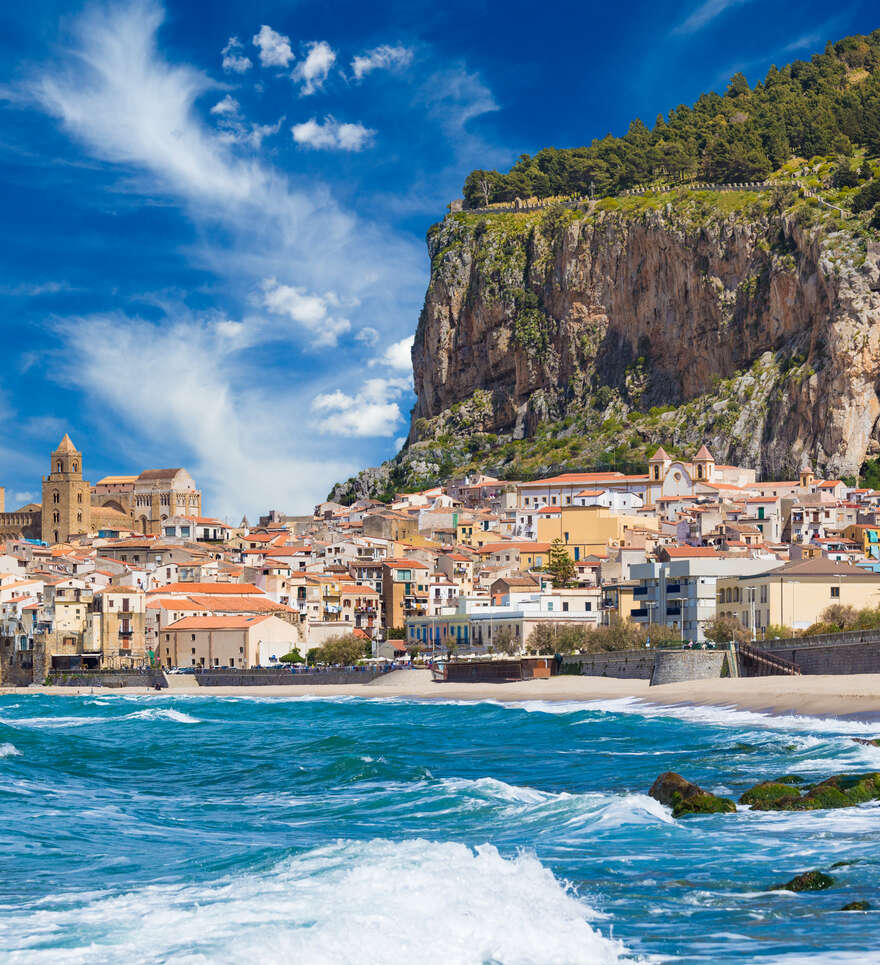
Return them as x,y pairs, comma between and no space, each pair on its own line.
66,495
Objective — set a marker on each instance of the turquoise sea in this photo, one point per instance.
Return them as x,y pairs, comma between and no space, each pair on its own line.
206,829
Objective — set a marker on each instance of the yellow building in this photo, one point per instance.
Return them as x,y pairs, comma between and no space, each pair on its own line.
797,594
589,529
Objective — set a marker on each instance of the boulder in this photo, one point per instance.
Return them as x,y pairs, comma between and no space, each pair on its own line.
857,906
840,791
807,881
870,741
683,797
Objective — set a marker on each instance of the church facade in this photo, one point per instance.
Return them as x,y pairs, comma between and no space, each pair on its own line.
72,507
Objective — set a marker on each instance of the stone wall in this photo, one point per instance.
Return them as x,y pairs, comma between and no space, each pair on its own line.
625,664
274,678
106,678
833,653
674,666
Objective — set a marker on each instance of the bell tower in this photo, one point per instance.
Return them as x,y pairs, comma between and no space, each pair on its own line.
66,495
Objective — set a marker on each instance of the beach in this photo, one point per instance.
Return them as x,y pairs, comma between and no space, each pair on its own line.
856,696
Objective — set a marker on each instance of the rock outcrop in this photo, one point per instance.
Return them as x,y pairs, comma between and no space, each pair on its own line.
683,797
572,339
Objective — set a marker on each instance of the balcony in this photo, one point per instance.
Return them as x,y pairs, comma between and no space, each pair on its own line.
638,612
640,591
673,588
673,611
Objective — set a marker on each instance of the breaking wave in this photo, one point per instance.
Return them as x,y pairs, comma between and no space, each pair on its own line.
373,903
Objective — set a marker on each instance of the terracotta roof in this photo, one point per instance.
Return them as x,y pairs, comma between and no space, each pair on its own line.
683,552
823,567
231,589
659,454
149,475
574,478
217,623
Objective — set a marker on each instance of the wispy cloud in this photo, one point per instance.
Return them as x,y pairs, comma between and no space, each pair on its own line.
274,48
703,15
234,59
331,135
380,58
312,72
398,355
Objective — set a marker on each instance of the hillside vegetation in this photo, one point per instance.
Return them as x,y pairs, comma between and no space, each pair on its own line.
807,108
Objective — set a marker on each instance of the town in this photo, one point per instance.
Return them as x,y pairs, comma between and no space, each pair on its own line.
126,573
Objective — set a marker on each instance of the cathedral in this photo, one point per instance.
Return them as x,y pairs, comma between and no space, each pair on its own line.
71,506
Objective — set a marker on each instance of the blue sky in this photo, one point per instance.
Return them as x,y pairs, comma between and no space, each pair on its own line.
212,250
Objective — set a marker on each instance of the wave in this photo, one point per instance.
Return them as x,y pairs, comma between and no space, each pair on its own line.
367,902
554,808
9,750
162,713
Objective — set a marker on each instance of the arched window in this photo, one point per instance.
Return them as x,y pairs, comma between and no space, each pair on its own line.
79,517
59,466
75,466
79,498
56,537
56,517
56,497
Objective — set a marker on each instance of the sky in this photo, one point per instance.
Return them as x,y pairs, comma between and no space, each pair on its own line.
212,241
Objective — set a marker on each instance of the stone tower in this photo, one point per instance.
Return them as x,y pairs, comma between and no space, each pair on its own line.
66,495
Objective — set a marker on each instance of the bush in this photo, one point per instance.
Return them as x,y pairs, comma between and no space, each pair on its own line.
293,657
726,630
345,650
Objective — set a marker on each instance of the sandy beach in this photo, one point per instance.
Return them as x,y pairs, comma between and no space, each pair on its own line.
856,696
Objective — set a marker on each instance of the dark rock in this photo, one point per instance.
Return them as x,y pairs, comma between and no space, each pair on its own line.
770,796
840,791
790,779
683,797
808,881
857,906
870,741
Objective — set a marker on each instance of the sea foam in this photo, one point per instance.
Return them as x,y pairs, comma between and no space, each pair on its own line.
9,750
351,902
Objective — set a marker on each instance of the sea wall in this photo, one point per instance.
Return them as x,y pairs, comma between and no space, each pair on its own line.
833,653
625,664
674,666
275,678
106,678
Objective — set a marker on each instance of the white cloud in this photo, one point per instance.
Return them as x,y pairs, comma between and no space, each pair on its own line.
331,135
397,355
234,60
368,335
312,72
229,106
369,412
235,435
311,312
380,58
705,14
274,47
455,96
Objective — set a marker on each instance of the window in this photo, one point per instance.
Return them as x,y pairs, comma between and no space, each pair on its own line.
56,517
232,661
835,592
192,636
75,466
193,650
79,498
59,467
588,606
56,497
79,517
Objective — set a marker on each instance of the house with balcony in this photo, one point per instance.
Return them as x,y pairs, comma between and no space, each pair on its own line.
680,592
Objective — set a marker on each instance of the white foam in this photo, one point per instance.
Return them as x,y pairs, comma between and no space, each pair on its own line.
372,903
162,713
9,750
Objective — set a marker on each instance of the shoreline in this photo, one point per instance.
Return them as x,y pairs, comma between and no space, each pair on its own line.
852,697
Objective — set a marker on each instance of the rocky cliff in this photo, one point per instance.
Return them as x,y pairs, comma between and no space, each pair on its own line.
579,338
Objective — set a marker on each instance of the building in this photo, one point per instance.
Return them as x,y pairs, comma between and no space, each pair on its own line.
150,499
404,584
227,641
797,594
66,496
590,529
117,627
681,592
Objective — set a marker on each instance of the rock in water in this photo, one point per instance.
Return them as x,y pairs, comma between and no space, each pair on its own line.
857,906
869,741
808,881
840,791
683,797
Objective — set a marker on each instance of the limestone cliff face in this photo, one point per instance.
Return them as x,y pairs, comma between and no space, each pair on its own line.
753,326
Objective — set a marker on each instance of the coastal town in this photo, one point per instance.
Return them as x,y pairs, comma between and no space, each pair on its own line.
127,574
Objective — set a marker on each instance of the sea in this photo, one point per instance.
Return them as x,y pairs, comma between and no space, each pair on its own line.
154,829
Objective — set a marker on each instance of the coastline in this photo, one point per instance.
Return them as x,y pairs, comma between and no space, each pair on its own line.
846,696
